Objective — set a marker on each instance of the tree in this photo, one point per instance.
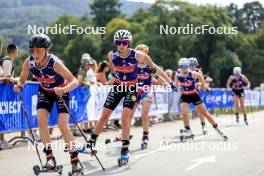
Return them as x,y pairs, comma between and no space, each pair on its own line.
104,11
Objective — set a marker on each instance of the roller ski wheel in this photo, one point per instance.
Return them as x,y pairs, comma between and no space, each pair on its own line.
237,120
184,137
204,130
246,122
37,169
77,170
144,144
123,160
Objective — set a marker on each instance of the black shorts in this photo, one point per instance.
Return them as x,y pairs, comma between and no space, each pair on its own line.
47,99
239,93
192,98
115,96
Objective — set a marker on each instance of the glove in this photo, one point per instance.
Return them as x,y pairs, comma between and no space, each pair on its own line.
173,86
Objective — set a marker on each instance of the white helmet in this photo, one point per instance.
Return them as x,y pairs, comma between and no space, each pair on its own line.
183,62
193,62
237,70
123,34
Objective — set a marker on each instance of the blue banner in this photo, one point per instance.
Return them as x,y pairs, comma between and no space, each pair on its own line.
12,117
86,104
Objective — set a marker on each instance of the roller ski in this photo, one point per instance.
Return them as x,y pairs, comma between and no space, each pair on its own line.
50,166
186,134
220,132
117,139
245,120
84,150
144,143
123,160
77,169
204,130
237,118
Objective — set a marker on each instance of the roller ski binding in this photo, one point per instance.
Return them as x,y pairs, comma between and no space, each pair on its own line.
188,135
50,166
144,143
77,169
123,160
237,118
245,120
220,132
204,130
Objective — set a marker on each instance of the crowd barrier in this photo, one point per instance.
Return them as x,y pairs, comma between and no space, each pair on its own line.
86,104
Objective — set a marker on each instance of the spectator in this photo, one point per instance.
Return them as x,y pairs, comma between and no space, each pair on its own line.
91,78
8,63
101,72
7,77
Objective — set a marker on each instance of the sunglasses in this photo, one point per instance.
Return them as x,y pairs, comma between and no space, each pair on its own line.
122,42
37,50
183,66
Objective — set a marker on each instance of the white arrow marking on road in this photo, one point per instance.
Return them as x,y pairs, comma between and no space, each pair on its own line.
209,159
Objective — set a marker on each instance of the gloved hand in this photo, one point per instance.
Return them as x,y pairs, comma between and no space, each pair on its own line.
173,86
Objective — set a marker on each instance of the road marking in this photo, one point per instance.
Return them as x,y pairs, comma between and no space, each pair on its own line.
200,161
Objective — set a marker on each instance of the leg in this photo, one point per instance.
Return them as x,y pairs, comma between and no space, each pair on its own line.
111,103
145,115
203,111
236,101
185,114
125,119
242,105
43,115
65,131
102,120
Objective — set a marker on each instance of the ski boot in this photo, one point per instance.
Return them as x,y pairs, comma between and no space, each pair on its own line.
77,169
204,129
220,132
124,158
237,118
245,120
188,135
144,143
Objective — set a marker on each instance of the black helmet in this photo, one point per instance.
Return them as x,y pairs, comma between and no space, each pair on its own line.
39,41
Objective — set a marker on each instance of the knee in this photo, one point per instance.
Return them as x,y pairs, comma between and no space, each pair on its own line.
42,123
125,121
63,126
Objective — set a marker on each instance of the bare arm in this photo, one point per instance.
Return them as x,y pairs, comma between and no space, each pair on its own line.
228,84
67,75
201,79
110,59
245,79
143,58
24,74
83,82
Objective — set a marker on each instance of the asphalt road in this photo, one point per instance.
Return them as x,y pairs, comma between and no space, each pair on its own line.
206,155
